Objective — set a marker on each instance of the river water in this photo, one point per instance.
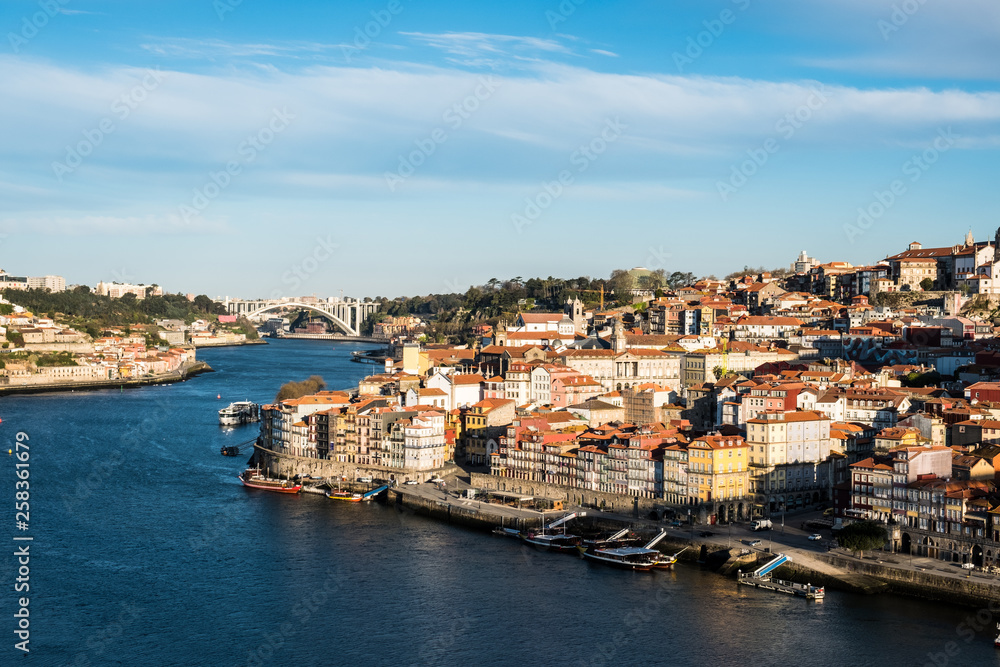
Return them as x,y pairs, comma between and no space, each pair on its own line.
148,551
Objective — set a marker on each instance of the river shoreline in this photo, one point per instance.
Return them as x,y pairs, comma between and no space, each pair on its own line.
182,375
837,572
258,341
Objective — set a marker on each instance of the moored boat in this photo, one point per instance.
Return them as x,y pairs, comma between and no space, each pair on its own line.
626,558
664,562
623,538
345,495
544,542
241,412
507,532
255,479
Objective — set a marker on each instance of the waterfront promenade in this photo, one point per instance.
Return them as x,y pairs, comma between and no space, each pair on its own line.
811,561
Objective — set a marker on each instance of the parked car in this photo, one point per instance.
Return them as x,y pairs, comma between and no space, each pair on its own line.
365,480
675,523
968,566
815,537
411,481
706,533
752,543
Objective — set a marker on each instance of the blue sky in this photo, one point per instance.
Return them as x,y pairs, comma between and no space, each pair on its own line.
258,148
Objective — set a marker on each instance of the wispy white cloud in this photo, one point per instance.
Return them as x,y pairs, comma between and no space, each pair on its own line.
351,126
602,52
476,43
184,48
958,39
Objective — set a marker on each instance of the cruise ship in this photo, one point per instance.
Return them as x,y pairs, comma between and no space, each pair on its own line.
241,412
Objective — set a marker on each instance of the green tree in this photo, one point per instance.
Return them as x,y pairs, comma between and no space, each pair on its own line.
926,284
679,279
862,536
310,385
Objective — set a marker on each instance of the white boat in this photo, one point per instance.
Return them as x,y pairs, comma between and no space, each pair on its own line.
627,558
564,543
241,412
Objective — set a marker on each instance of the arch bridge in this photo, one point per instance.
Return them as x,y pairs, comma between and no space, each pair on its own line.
348,316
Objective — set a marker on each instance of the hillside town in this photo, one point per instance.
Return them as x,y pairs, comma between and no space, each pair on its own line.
56,349
871,391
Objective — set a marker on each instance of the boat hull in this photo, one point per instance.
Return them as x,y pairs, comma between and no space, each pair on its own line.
353,498
549,545
637,565
269,485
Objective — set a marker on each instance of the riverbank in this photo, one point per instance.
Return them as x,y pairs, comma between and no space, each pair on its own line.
836,571
184,373
343,338
201,345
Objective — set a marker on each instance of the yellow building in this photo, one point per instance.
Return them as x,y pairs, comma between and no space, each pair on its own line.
894,438
717,468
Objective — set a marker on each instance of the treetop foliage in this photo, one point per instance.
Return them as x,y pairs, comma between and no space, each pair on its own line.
310,385
83,304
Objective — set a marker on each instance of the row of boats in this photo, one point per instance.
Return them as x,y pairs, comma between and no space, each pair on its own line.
621,550
254,478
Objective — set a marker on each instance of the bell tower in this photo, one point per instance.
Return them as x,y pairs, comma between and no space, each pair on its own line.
618,340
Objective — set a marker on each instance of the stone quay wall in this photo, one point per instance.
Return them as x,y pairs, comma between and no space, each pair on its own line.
280,464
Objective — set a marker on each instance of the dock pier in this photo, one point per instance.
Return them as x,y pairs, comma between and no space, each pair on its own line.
761,578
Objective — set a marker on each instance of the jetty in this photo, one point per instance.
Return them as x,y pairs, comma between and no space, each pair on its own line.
761,578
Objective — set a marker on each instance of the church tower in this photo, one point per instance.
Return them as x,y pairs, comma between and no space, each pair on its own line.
970,240
500,334
574,310
618,340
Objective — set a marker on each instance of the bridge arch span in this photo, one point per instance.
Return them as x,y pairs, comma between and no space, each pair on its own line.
344,326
